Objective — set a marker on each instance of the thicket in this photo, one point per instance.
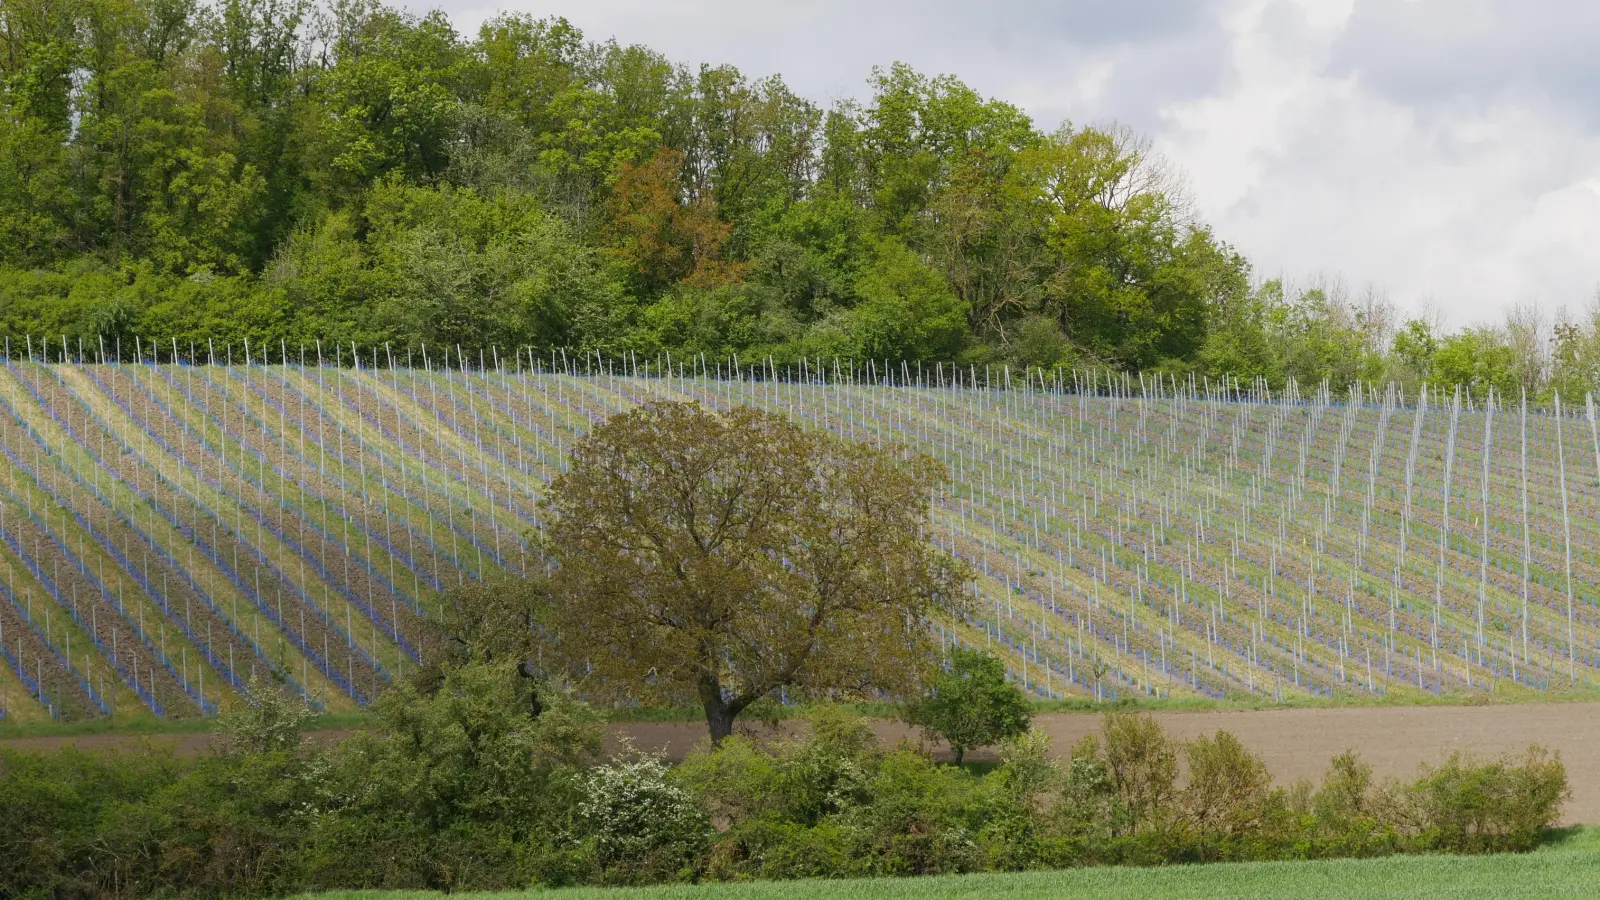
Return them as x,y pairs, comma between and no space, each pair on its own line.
464,787
344,171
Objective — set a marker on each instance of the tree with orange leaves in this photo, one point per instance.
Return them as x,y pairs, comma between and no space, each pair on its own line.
662,235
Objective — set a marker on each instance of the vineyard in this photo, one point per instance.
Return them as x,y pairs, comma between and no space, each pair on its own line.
171,529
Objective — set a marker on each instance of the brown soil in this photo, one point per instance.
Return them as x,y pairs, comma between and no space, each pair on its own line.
1295,743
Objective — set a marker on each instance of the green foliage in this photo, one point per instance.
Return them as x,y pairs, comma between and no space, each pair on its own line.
905,311
145,823
1415,347
1478,360
1480,807
1562,869
357,173
295,171
971,704
464,789
640,824
270,719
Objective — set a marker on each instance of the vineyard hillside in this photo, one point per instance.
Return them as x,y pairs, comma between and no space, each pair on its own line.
170,529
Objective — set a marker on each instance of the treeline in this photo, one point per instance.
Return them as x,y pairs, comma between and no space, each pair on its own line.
279,171
462,789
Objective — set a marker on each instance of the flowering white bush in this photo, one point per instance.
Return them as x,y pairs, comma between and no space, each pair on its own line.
632,811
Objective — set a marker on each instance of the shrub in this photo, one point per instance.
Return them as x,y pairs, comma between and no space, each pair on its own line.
637,821
734,781
464,789
916,819
778,849
1499,805
1349,815
1080,826
58,809
1023,787
453,789
1229,790
1143,764
827,773
270,718
1026,771
780,806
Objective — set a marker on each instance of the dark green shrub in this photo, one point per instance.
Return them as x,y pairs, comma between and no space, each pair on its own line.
915,821
64,809
767,848
467,759
1022,788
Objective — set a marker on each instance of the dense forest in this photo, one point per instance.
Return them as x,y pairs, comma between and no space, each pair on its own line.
286,173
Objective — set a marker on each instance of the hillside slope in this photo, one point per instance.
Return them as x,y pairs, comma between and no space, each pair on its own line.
170,529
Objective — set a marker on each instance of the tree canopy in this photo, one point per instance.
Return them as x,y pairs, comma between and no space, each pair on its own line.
971,704
279,170
293,171
717,558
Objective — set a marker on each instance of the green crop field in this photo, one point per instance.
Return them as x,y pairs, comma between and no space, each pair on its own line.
1569,867
168,529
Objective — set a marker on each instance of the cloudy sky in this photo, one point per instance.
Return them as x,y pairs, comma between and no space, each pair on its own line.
1446,152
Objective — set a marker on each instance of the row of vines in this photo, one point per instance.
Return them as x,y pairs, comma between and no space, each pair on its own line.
171,527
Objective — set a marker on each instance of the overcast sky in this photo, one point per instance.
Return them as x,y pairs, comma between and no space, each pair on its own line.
1443,151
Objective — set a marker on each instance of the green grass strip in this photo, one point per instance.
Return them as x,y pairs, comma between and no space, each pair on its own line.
1568,866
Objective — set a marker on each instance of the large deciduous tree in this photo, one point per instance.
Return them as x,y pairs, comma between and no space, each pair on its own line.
721,557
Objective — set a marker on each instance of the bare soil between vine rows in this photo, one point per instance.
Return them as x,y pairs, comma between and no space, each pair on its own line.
1295,743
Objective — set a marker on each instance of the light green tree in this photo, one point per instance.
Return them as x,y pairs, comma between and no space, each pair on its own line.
971,704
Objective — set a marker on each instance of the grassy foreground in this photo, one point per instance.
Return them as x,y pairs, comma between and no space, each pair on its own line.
1568,866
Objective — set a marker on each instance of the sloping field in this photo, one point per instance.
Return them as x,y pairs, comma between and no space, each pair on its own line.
168,529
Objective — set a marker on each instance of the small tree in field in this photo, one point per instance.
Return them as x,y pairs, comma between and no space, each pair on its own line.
486,622
971,705
717,558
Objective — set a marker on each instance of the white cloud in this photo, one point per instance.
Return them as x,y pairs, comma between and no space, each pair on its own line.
1479,200
1445,149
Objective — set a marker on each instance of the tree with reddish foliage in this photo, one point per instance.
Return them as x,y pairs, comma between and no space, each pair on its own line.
662,235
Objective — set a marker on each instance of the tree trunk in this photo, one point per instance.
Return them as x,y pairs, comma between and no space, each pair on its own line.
526,669
719,721
719,712
960,752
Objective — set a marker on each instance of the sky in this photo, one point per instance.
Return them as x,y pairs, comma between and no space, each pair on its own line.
1445,153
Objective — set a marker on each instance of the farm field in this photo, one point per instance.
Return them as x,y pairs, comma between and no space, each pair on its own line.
1569,867
170,529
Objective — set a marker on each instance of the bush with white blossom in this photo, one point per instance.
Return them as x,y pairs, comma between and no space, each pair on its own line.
636,816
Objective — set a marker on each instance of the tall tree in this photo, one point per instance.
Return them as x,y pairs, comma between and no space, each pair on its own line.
722,557
661,236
